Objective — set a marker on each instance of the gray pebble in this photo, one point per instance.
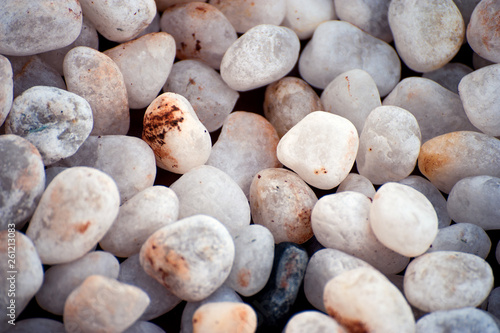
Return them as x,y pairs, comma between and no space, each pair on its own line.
462,237
39,325
357,183
494,302
467,319
449,75
6,88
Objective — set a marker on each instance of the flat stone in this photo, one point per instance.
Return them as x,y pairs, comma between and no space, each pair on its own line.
145,63
262,55
60,280
304,18
176,135
96,77
439,281
6,88
449,75
481,31
210,97
324,159
102,304
75,212
40,325
357,183
312,322
282,202
468,319
219,317
22,181
191,258
359,50
427,34
28,27
55,121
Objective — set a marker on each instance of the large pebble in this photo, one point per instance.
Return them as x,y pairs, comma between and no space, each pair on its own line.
102,304
6,88
323,266
446,159
210,191
96,77
282,202
128,160
22,276
161,300
191,258
433,195
462,237
403,219
341,221
427,33
312,322
479,94
262,55
363,299
482,33
75,212
23,180
222,317
460,320
322,60
352,95
55,121
438,110
446,280
145,63
176,135
138,218
28,27
449,75
247,144
253,260
304,18
60,280
200,30
476,200
39,325
357,183
210,97
287,101
119,22
245,15
389,145
321,149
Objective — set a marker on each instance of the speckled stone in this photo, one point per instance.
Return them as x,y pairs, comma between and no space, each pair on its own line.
221,317
449,75
312,322
467,319
22,180
39,325
304,18
357,183
462,237
6,88
482,34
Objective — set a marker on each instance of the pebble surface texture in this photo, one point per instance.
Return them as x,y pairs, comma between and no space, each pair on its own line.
467,319
221,317
482,31
304,19
312,322
6,88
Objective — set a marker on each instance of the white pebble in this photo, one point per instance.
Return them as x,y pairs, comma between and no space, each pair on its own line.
482,34
312,322
303,17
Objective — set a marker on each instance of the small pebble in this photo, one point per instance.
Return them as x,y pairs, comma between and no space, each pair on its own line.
141,326
322,60
55,121
176,135
304,18
6,88
482,33
449,75
312,322
446,159
357,183
39,325
222,317
494,302
119,22
476,200
97,78
246,144
467,319
388,145
145,63
282,202
210,191
403,219
60,280
287,101
23,180
161,300
75,212
191,258
262,55
102,304
446,280
253,260
427,33
325,159
210,97
31,27
201,31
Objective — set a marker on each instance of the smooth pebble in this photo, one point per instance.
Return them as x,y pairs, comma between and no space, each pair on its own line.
449,75
357,183
6,88
482,34
312,322
467,319
222,317
303,18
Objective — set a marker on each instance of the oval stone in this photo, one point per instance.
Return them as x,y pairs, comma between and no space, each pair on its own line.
462,237
221,317
6,88
468,319
312,322
482,33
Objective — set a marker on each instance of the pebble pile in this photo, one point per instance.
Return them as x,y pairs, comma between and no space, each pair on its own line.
249,166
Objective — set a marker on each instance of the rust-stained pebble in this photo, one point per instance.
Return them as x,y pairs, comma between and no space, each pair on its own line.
482,31
176,135
223,317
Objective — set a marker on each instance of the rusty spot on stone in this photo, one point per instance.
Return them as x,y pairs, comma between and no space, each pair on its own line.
244,277
183,45
320,170
348,85
82,227
191,81
197,46
201,9
177,264
351,325
430,163
299,230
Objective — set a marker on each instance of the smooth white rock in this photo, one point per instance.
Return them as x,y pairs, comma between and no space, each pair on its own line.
357,183
449,75
303,17
462,237
482,34
467,319
6,88
312,322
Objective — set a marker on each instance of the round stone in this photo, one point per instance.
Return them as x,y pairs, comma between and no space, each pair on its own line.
468,319
312,322
75,212
304,18
324,159
191,258
219,317
55,121
449,75
6,88
357,183
176,135
439,281
482,34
